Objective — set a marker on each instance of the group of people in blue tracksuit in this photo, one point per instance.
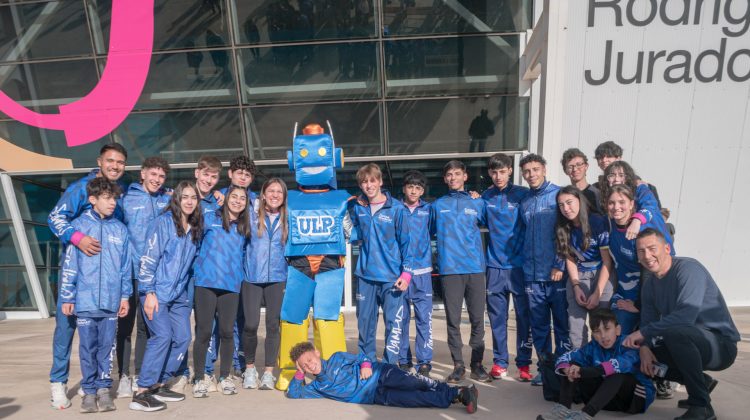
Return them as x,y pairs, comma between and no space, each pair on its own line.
147,256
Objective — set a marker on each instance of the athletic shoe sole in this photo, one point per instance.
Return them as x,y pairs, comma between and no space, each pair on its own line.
138,407
61,406
168,399
471,408
227,392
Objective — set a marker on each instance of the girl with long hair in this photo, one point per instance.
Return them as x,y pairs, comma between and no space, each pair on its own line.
218,277
582,242
265,279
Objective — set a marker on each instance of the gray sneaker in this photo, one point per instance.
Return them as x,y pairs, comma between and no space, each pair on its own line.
105,400
88,405
212,385
267,381
250,378
200,388
125,388
227,386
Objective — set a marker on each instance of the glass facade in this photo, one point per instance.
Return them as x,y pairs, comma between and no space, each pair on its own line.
399,80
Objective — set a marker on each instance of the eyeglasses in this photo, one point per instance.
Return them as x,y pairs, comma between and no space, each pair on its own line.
575,166
616,175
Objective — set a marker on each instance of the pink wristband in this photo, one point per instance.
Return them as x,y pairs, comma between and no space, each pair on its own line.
299,375
75,239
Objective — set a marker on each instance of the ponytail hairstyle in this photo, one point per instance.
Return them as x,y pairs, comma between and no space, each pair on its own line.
195,220
282,209
631,179
563,226
243,219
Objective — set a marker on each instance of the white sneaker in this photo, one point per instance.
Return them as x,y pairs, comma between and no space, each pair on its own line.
125,388
80,391
179,385
212,386
228,387
200,388
59,400
135,383
267,381
250,378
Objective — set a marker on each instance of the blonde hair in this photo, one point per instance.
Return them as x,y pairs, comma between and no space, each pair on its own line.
371,170
282,209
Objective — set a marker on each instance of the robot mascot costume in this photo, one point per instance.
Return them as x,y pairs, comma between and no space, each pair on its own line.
319,227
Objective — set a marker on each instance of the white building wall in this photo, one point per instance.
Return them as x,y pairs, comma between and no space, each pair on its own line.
690,139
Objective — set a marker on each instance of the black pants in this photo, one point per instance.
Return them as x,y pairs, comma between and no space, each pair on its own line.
619,392
124,332
328,263
688,351
253,296
208,302
456,289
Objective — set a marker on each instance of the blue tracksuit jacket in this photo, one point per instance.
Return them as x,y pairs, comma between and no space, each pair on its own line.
539,214
419,238
456,218
591,258
626,263
264,259
384,251
618,359
140,208
209,203
504,250
218,264
99,282
72,204
339,380
650,212
166,260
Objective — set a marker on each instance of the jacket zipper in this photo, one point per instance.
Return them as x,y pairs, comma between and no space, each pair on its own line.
101,239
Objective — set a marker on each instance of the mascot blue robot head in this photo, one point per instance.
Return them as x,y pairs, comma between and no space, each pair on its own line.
314,157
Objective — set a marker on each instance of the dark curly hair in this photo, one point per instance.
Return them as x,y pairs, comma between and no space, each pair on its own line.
299,349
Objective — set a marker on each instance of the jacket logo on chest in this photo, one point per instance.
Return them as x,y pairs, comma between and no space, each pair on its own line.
385,218
315,225
114,240
470,212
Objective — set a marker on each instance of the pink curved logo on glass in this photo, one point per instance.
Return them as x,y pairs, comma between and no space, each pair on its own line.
98,113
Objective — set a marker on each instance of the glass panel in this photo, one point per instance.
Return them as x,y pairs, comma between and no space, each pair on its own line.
15,294
296,73
43,30
10,254
35,201
448,66
42,87
178,24
181,136
266,21
48,279
458,125
51,143
45,247
415,17
190,79
356,127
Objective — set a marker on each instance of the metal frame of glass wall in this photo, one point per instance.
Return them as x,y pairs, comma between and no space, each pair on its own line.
408,84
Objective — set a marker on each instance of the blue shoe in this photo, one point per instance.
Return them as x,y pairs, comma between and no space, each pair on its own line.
537,381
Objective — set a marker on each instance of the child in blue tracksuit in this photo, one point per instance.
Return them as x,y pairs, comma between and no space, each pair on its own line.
172,240
419,292
356,379
97,289
545,286
265,280
455,219
382,225
218,277
605,372
142,203
72,204
505,267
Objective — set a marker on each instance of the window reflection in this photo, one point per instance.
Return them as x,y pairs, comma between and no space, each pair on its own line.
332,71
356,127
51,143
447,125
423,17
265,21
448,66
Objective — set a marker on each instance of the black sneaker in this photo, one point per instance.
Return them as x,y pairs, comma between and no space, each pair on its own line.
663,389
710,385
145,401
424,370
468,396
698,413
406,367
479,374
457,375
163,394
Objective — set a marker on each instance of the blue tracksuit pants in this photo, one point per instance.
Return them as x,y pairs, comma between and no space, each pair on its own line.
96,345
418,294
628,321
370,296
548,298
397,388
170,337
501,286
62,341
238,357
